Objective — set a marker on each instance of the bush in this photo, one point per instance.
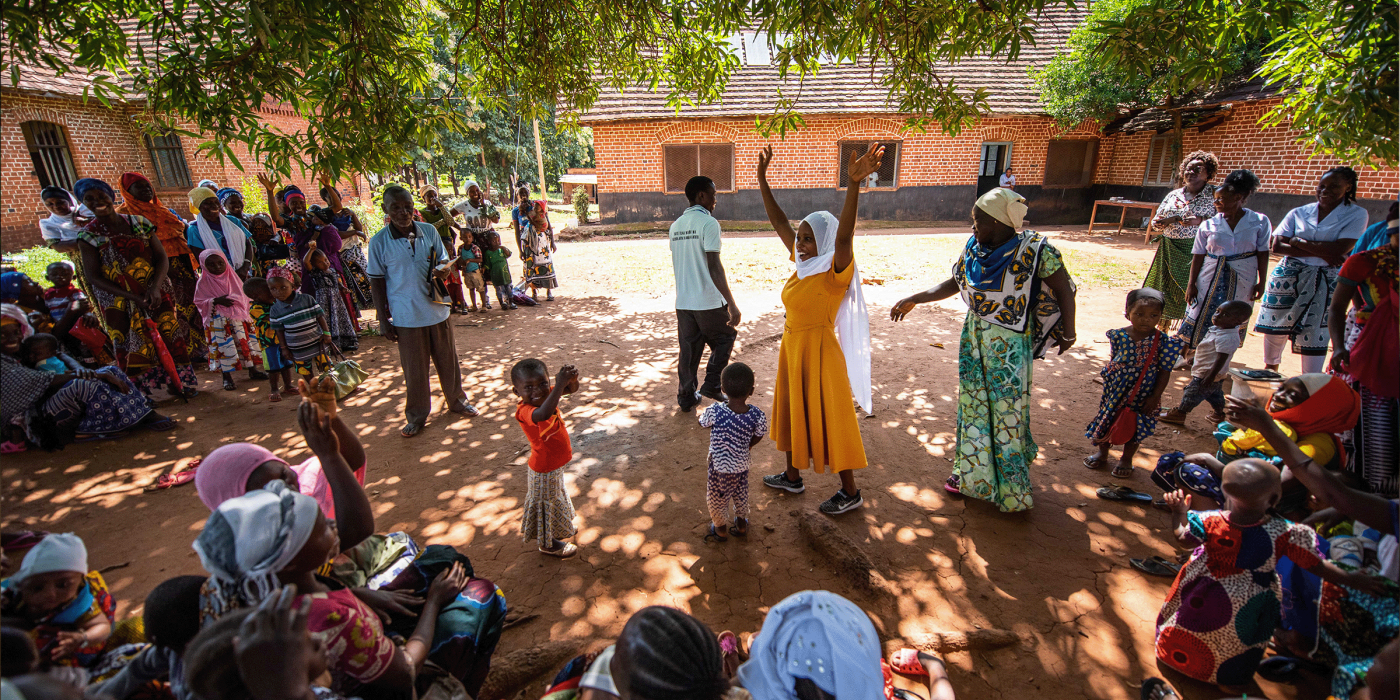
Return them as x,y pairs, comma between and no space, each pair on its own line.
581,204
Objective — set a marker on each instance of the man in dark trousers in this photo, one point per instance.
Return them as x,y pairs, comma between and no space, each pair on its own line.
705,310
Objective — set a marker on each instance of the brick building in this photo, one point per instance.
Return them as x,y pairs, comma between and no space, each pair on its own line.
51,135
645,150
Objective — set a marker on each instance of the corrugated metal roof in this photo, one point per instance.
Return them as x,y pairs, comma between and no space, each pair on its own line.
851,89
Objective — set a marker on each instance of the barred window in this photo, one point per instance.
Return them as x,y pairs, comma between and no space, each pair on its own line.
713,160
1070,162
168,158
886,176
48,149
1161,168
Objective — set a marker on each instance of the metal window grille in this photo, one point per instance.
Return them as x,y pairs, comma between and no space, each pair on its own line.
48,149
713,160
168,158
886,176
1160,168
1070,162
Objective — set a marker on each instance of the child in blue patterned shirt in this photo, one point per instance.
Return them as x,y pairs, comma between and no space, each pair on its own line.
735,427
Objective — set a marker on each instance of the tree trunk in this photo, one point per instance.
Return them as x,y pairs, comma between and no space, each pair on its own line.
452,175
1176,134
485,178
539,161
432,163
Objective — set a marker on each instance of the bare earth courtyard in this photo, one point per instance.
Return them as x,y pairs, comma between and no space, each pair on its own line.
1057,577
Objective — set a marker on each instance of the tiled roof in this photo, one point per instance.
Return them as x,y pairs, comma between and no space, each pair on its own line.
42,79
1199,110
849,89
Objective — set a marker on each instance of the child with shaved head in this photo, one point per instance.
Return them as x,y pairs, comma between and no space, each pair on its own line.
1224,605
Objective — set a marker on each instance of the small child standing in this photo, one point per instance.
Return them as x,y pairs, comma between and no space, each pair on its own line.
67,608
469,263
277,364
1224,606
1133,381
300,325
60,297
549,514
331,294
218,294
735,427
497,270
1212,363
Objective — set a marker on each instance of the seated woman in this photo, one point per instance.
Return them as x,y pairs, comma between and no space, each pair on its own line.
52,410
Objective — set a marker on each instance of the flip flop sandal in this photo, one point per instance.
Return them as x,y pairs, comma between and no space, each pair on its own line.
953,485
714,536
274,397
469,411
737,530
568,550
1092,463
1120,473
167,481
906,661
1150,686
24,539
161,425
10,448
409,431
1155,566
1122,493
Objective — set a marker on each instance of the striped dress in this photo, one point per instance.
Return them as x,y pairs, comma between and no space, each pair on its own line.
298,319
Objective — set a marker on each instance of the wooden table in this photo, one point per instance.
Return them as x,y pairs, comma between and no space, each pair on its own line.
1125,205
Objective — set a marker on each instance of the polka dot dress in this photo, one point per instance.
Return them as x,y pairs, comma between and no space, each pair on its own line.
1224,605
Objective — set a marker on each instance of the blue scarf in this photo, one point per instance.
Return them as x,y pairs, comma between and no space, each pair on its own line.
985,268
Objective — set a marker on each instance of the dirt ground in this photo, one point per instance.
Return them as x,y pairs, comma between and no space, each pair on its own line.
1057,576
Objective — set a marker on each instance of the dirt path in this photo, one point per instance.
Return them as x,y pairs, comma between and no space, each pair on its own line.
1057,576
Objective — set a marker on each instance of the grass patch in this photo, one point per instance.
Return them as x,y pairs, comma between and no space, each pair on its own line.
1094,269
34,261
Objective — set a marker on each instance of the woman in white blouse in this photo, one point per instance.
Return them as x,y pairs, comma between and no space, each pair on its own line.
1007,180
1314,240
1229,257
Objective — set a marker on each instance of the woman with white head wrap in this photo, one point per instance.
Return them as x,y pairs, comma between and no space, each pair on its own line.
814,638
818,372
1020,296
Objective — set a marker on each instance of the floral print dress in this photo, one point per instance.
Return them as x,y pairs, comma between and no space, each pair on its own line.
1129,360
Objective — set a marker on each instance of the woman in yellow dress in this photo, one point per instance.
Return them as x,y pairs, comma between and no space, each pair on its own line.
813,420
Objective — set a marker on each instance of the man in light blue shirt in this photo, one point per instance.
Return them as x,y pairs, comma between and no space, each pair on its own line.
705,310
401,257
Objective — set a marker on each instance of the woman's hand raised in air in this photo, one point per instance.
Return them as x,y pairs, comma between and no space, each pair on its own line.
861,167
765,157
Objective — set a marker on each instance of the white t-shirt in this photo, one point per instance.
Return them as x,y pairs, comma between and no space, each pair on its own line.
693,235
1008,180
1217,340
1347,221
1215,237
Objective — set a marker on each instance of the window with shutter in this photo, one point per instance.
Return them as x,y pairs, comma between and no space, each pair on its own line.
1161,168
48,149
168,159
886,176
713,160
1070,162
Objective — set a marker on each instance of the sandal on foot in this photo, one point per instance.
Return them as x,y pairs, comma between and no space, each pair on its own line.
906,661
1122,493
8,447
568,550
1093,462
1120,473
953,485
1155,566
274,397
229,385
740,528
467,410
730,653
409,431
714,536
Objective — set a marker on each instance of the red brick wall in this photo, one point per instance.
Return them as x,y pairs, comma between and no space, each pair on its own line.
105,143
628,154
1282,164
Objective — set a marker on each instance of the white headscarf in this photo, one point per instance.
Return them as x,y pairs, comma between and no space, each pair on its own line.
64,552
248,539
1314,381
234,237
819,636
852,318
1005,206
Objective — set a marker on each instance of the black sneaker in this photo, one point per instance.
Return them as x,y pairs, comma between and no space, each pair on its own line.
714,395
840,503
693,404
780,481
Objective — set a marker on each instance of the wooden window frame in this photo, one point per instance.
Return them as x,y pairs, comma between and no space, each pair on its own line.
1164,143
46,157
733,179
1090,165
168,180
842,162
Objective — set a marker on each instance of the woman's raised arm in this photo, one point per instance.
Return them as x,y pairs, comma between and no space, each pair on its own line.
860,169
776,216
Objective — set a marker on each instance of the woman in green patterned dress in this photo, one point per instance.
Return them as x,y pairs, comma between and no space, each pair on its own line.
1020,297
1174,228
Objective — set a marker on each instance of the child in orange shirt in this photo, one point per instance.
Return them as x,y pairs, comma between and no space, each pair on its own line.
549,514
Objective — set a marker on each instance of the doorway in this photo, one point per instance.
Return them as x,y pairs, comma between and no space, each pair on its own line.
996,155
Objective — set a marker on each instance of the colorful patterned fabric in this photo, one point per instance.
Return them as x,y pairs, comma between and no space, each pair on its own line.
537,264
1295,304
297,319
726,490
1352,629
1120,375
1181,203
1222,279
1004,289
357,649
995,447
549,513
127,261
1224,606
1373,272
92,601
1171,272
730,436
267,339
92,407
232,344
326,286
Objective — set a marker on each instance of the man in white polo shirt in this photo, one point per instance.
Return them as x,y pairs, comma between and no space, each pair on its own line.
705,310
